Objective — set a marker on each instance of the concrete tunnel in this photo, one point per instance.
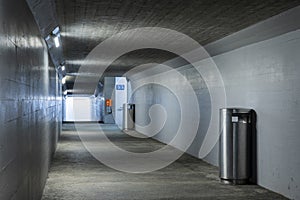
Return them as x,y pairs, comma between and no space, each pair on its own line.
140,99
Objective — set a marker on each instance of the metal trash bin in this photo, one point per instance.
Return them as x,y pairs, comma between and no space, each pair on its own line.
128,116
235,145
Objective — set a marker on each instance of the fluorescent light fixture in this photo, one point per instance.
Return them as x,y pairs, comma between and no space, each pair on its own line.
63,80
53,39
56,41
63,68
55,31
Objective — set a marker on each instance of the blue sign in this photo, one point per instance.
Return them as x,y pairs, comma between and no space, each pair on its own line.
120,87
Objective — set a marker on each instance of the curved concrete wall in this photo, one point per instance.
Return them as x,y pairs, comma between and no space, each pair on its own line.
30,109
263,75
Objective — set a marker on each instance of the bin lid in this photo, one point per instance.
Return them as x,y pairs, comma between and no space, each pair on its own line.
236,110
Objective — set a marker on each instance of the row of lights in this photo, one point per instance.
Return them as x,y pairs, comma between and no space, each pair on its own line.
53,40
62,69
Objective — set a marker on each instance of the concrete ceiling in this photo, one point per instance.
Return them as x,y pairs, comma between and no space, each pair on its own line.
86,23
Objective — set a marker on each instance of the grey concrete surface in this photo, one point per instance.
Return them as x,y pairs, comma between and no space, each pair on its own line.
29,104
86,23
75,174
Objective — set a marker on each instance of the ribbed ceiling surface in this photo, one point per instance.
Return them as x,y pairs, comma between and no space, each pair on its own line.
85,23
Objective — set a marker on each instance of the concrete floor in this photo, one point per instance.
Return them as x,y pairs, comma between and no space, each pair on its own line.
75,174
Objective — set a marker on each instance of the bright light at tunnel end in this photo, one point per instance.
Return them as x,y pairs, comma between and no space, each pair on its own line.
97,142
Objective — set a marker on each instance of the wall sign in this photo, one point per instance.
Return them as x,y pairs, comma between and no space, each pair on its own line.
120,87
